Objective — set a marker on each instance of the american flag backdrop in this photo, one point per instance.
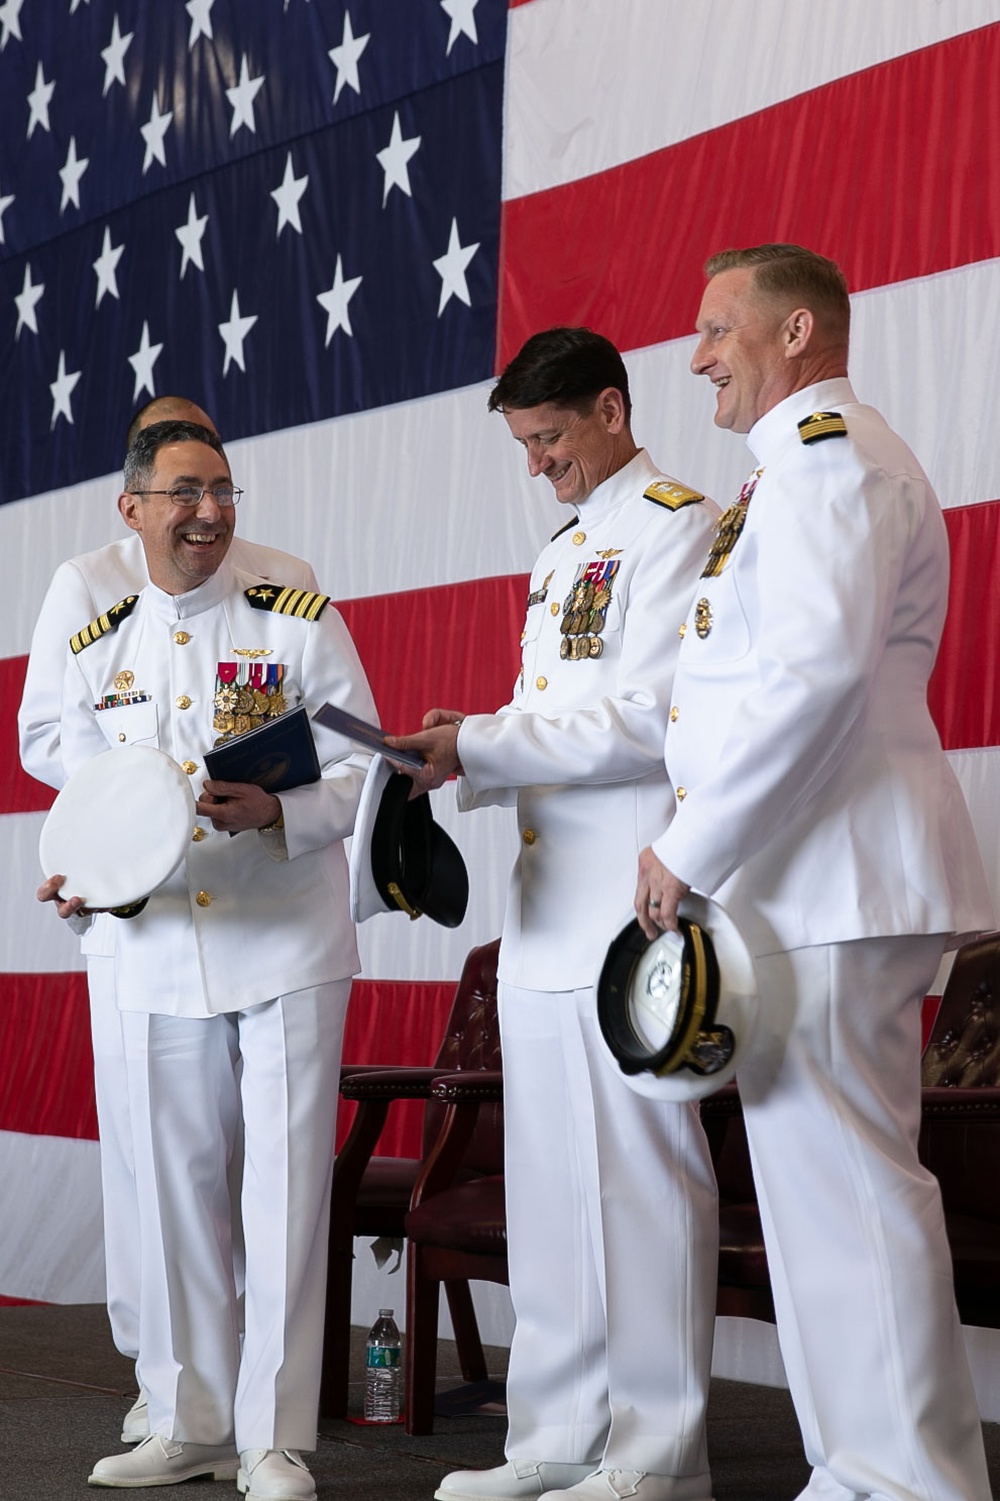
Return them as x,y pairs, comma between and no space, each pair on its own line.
329,224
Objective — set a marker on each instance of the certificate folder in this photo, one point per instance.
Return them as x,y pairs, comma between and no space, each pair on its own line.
276,755
360,733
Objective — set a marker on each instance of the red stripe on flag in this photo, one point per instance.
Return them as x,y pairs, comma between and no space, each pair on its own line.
19,793
46,1063
964,691
394,1022
892,171
455,646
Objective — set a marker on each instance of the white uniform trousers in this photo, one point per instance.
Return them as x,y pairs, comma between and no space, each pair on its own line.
853,1225
118,1195
121,1214
612,1233
186,1098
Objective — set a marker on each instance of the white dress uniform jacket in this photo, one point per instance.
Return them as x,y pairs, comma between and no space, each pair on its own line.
611,1260
816,803
290,887
83,588
579,748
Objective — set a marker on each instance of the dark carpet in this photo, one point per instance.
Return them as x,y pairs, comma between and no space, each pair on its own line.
64,1390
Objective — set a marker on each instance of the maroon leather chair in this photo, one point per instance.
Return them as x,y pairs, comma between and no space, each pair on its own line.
456,1232
371,1195
959,1142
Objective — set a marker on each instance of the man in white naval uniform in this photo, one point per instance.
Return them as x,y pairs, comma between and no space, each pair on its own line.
603,1307
81,589
244,955
817,806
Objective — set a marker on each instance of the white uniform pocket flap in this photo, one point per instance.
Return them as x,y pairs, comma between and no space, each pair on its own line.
129,724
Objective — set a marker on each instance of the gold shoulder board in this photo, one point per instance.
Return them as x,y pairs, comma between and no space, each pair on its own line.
822,425
571,522
301,603
103,624
667,492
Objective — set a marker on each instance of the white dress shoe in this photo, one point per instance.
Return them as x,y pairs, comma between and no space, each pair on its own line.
274,1475
136,1425
517,1480
164,1461
620,1485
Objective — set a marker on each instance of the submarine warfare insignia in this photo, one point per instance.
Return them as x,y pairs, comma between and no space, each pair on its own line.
246,694
585,610
302,603
103,624
822,425
728,528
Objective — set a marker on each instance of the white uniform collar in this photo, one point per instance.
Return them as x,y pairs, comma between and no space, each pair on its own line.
193,601
778,428
618,488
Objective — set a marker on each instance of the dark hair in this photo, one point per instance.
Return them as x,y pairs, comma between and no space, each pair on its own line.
568,367
172,408
790,271
149,440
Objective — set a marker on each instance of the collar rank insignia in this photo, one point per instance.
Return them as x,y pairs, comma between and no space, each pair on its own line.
103,624
668,493
822,425
301,603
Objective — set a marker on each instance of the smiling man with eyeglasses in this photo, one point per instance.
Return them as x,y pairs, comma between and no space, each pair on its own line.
231,981
179,497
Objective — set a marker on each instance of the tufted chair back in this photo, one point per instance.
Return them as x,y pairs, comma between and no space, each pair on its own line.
964,1047
472,1041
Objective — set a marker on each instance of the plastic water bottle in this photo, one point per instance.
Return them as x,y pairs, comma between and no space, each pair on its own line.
383,1372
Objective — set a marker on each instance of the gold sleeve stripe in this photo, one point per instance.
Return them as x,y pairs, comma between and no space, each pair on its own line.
103,624
304,604
822,425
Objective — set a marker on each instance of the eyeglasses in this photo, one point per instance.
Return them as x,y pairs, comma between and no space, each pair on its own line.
189,496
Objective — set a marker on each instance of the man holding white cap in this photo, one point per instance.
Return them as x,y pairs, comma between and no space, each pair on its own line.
232,981
82,588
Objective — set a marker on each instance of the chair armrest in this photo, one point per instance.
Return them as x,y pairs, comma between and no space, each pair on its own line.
403,1083
461,1094
477,1086
939,1102
725,1103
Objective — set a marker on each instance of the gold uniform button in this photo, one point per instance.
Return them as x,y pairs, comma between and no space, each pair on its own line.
190,767
181,638
579,538
553,608
682,630
529,836
203,899
681,794
674,711
541,683
183,702
121,735
198,835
